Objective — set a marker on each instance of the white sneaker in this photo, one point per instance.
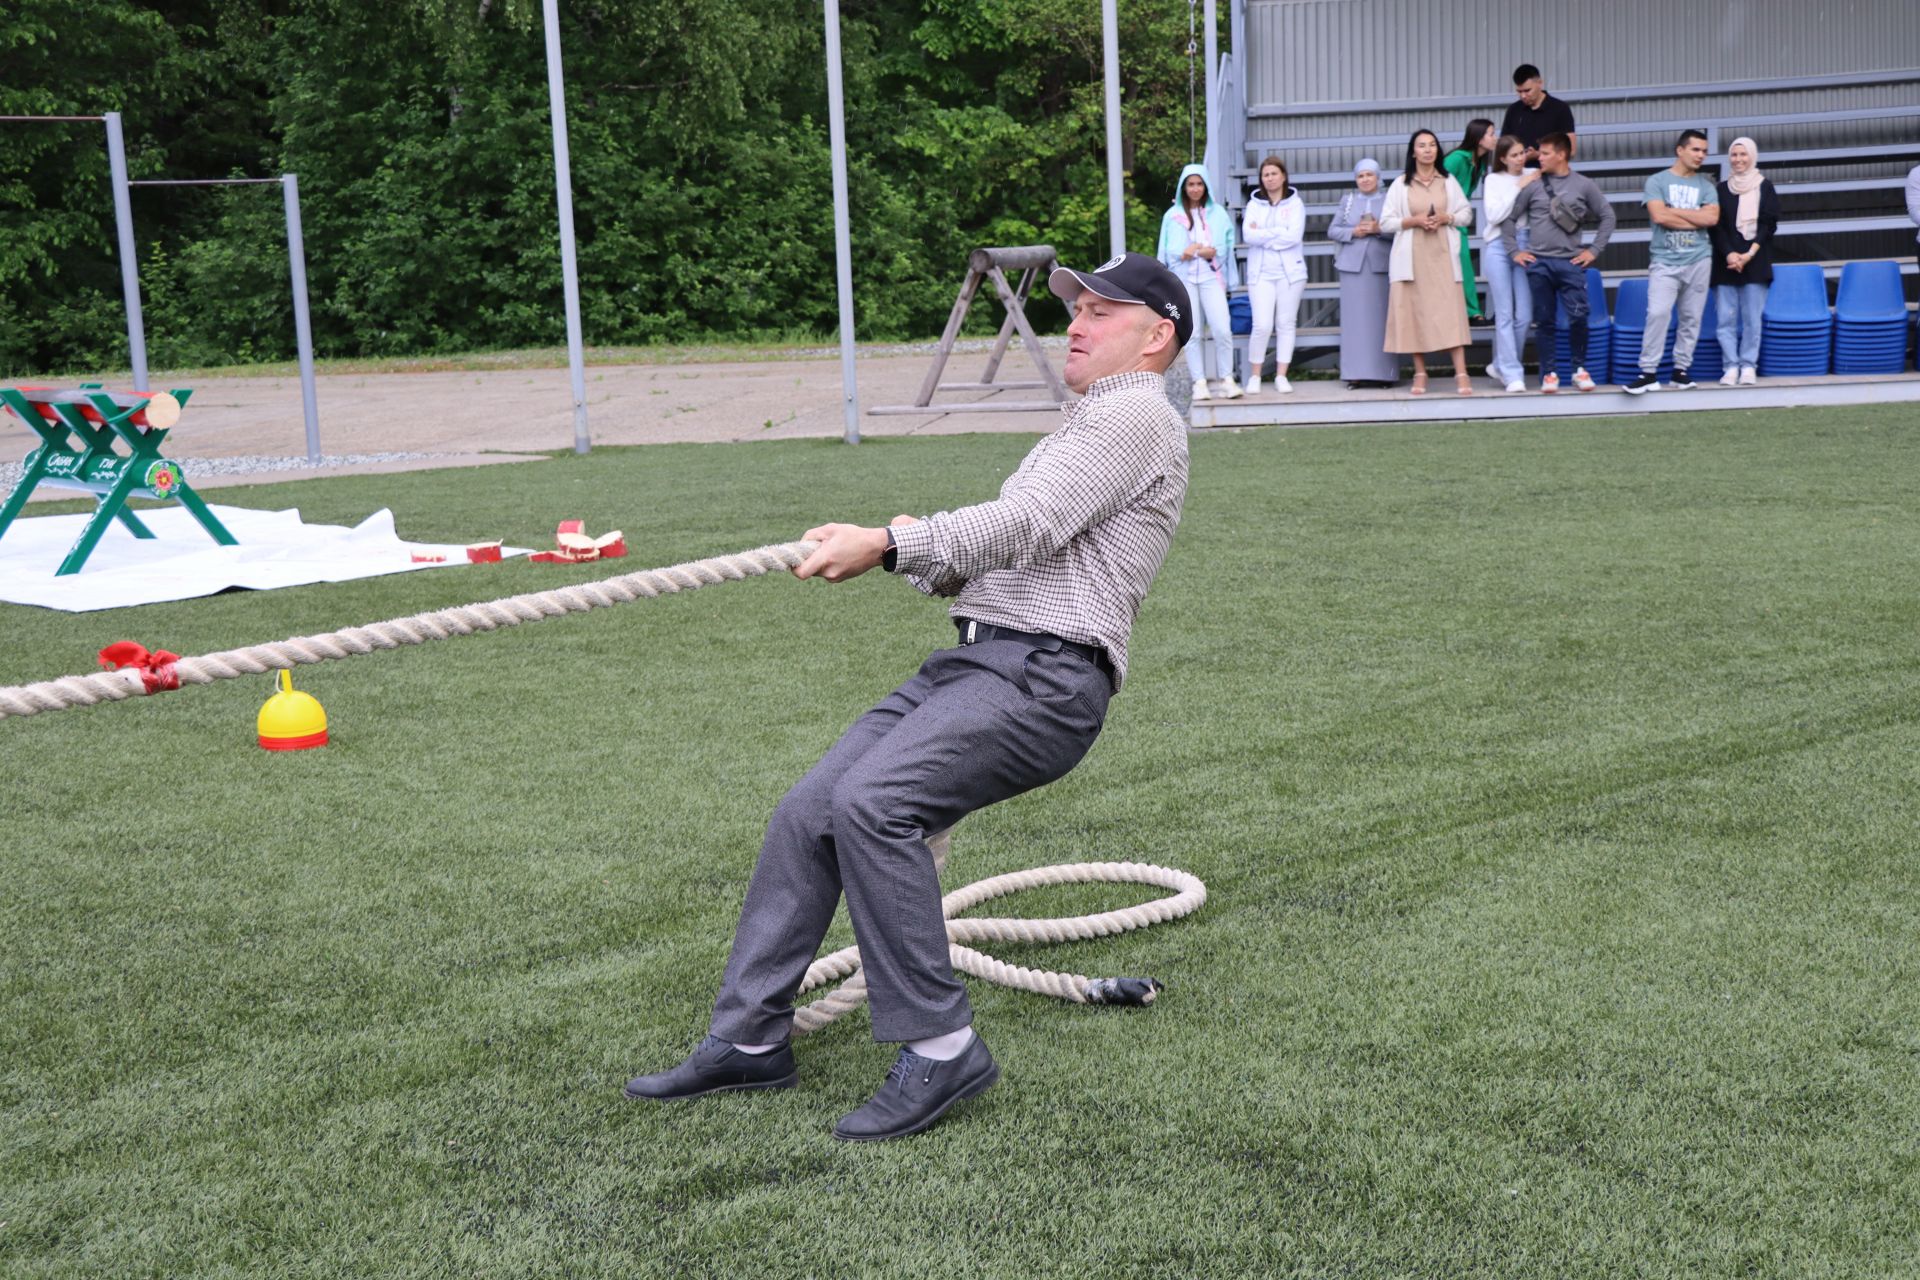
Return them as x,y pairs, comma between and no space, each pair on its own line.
1253,385
1747,377
1550,384
1200,389
1282,387
1731,378
1582,380
1517,386
1229,390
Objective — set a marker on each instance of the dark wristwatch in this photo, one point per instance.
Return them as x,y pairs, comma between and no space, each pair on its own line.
891,556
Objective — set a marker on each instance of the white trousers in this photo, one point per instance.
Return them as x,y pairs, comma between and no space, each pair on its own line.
1276,309
1209,302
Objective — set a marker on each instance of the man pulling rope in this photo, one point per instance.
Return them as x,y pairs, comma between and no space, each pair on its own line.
1047,580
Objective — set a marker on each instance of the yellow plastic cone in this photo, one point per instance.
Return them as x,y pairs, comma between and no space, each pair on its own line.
292,721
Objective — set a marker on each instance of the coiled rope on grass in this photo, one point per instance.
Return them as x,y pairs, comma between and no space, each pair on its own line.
536,606
1189,893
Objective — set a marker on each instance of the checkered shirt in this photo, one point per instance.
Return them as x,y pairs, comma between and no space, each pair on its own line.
1079,530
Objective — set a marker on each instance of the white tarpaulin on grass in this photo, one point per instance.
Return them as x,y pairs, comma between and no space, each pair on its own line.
180,561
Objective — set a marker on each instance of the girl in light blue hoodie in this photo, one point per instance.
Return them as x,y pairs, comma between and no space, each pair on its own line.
1196,244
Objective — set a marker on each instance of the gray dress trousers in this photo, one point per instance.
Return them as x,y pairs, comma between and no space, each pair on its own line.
977,724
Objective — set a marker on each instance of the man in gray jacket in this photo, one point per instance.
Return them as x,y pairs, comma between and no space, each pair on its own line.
1555,209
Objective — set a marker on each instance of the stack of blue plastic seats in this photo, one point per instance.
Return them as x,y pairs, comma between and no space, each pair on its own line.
1870,330
1796,336
1599,333
1630,327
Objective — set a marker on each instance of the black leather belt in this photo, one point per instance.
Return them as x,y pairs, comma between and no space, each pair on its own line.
973,632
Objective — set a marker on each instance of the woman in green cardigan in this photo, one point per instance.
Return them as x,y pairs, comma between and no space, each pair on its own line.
1468,164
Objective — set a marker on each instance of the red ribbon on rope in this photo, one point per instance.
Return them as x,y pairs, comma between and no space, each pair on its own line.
157,672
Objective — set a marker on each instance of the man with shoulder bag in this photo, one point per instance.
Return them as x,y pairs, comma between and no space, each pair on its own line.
1554,210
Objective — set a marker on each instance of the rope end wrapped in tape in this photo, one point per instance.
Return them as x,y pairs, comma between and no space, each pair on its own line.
1134,991
146,672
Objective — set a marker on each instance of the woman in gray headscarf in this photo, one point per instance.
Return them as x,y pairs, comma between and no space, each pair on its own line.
1361,262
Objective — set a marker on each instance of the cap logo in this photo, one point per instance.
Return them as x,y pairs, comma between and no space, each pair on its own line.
1173,311
1111,263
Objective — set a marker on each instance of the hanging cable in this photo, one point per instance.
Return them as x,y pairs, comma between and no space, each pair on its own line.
1193,57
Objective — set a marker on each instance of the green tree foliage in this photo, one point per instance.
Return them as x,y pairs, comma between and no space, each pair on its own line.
420,133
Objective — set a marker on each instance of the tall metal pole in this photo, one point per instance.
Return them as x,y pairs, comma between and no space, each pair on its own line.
302,324
563,182
129,268
842,236
1215,181
1237,34
1116,199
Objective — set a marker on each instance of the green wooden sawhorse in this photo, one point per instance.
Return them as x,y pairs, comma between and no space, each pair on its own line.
91,463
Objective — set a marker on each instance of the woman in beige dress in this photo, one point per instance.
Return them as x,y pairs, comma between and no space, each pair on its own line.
1426,310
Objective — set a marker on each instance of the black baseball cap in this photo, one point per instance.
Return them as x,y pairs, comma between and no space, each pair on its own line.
1130,277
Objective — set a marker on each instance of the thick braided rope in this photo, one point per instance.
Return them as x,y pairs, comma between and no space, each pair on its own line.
1189,893
534,606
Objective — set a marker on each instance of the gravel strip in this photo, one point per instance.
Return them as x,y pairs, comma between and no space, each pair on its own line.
253,464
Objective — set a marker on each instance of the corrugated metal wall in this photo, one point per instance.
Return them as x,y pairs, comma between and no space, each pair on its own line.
1451,123
1343,51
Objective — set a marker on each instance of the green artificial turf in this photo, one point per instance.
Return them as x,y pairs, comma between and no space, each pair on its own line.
1554,785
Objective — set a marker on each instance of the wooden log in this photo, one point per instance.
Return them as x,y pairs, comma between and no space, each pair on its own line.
1014,258
162,409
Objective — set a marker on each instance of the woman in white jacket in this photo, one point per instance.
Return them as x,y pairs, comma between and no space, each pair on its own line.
1512,295
1274,227
1426,310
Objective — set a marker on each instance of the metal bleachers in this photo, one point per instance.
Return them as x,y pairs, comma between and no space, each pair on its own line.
1827,217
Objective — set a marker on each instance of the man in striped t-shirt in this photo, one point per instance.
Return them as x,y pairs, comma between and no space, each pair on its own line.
1046,582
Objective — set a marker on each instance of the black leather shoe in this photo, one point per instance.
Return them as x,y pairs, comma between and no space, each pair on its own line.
715,1067
918,1092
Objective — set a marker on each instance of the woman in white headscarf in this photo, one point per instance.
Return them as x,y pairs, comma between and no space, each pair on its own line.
1743,260
1361,263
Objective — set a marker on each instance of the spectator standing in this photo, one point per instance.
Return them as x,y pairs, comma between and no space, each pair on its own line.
1361,262
1913,196
1553,210
1196,244
1275,225
1466,164
1506,283
1743,260
1536,113
1683,207
1426,310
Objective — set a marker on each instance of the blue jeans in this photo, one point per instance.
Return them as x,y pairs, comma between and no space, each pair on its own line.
1740,307
1549,277
1512,309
